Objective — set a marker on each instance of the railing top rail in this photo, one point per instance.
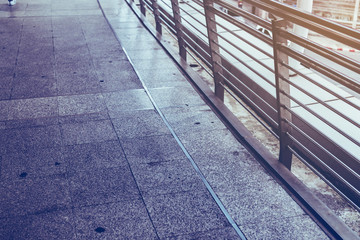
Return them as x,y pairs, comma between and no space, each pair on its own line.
333,30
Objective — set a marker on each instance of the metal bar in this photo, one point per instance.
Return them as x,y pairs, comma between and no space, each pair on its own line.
250,112
178,28
321,86
246,41
319,67
340,33
246,52
249,67
142,7
197,10
323,51
243,26
156,12
198,30
356,13
323,177
330,174
347,172
321,118
214,49
253,103
283,101
318,100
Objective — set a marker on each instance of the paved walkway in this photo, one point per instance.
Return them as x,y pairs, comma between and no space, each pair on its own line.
85,153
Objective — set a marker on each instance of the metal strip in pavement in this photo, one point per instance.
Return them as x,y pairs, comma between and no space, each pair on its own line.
211,191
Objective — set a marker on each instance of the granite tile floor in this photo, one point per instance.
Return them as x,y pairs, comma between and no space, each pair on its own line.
84,154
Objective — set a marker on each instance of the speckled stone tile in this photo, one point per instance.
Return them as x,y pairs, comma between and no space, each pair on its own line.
226,233
81,104
4,110
105,185
33,196
32,162
297,228
52,225
22,139
163,78
94,156
33,108
133,124
199,212
176,97
122,220
152,149
249,203
87,132
192,119
34,87
130,100
213,146
167,177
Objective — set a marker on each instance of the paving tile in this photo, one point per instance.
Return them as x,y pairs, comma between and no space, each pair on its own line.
139,123
163,78
217,234
105,185
199,212
116,75
83,118
34,63
15,140
33,196
84,66
78,84
27,123
249,203
167,177
150,54
53,225
152,65
106,53
34,87
192,119
284,228
123,220
130,100
152,149
93,156
5,93
87,132
176,97
133,45
81,104
213,146
35,163
33,108
4,110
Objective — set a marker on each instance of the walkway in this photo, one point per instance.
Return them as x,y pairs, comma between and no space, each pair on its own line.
85,152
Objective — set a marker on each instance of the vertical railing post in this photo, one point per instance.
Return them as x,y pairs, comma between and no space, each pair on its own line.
178,28
282,93
156,12
214,48
142,7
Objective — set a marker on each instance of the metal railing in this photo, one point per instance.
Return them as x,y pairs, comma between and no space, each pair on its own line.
305,94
